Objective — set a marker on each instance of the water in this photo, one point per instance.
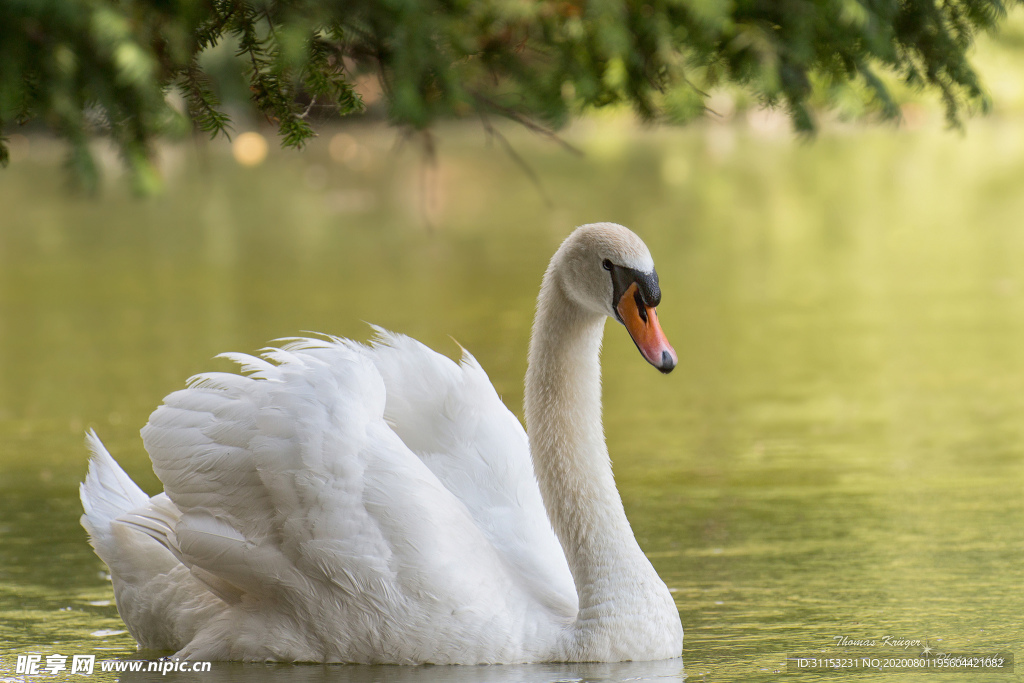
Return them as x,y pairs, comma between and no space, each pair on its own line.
839,453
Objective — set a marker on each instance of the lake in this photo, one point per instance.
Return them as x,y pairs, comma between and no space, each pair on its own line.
840,453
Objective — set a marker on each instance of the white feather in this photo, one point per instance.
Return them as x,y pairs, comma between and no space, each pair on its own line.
347,503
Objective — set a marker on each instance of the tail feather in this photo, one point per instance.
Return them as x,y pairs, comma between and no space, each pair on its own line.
107,493
162,604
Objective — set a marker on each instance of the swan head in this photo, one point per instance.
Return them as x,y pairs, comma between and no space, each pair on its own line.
606,269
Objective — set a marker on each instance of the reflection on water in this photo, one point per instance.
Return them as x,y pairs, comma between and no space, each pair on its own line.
663,671
839,453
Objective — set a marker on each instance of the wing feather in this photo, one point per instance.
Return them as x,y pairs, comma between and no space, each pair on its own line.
450,415
292,478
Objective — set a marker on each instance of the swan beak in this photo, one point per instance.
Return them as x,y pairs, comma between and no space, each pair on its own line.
641,321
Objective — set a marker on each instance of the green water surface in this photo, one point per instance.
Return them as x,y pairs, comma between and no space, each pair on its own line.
839,453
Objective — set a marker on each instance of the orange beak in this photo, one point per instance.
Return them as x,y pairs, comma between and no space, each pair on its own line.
642,323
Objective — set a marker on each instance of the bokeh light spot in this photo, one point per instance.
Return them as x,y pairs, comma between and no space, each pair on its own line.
250,149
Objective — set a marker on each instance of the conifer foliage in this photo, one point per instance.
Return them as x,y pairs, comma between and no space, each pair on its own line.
89,67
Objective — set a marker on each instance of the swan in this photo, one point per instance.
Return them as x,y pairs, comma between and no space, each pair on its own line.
340,502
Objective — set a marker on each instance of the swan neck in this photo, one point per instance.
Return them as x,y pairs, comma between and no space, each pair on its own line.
563,417
625,609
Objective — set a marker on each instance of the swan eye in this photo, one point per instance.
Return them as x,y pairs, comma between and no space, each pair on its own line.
606,264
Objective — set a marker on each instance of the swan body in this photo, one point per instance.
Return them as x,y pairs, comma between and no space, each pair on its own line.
337,502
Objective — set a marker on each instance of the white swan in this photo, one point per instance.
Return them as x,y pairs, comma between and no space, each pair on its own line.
344,503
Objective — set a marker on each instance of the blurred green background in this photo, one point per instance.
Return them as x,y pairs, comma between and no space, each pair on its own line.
840,452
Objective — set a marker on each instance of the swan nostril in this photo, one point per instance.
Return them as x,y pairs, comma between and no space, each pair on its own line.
667,362
641,308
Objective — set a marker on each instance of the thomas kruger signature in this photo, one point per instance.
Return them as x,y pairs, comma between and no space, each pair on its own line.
884,641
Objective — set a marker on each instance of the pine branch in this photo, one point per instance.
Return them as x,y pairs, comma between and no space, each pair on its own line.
203,104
